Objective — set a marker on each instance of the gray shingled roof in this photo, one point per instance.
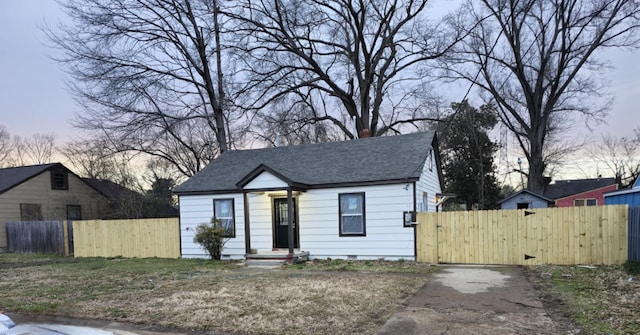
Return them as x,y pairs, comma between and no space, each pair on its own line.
111,190
11,177
367,160
564,188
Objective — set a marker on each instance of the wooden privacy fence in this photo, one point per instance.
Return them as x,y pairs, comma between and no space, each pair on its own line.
574,235
140,238
54,237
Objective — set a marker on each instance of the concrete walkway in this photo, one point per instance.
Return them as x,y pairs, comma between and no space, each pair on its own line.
473,300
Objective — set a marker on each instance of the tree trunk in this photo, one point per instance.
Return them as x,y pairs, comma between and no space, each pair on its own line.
536,180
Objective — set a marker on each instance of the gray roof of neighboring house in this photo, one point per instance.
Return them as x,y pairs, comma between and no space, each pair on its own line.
367,160
564,188
513,195
14,176
111,190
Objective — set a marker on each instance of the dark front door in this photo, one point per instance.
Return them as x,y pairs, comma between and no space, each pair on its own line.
281,223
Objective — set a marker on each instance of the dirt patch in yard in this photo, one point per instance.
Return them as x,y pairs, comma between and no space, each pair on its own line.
475,300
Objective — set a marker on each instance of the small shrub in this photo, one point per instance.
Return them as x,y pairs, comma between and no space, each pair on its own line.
212,237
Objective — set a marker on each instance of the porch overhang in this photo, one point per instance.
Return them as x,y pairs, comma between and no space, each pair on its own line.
265,179
286,183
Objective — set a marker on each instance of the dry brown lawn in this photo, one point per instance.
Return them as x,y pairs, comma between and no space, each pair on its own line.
205,295
598,299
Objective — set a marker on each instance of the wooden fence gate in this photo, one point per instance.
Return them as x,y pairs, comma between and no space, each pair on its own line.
574,235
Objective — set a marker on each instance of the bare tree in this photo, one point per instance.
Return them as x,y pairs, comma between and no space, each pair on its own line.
536,60
146,72
6,147
37,149
288,123
339,60
619,155
40,148
91,158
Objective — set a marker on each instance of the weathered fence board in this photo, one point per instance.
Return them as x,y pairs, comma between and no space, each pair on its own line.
140,238
575,235
634,234
37,237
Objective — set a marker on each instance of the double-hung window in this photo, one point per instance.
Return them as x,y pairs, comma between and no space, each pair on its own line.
352,215
585,202
223,210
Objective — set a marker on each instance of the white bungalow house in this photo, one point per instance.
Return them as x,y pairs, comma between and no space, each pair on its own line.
350,199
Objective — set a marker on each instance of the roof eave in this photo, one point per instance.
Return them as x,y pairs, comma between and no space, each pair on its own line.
302,187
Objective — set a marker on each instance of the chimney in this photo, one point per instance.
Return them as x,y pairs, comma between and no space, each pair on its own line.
364,133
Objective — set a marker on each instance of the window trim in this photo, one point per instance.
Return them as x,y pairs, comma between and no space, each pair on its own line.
425,202
584,202
233,213
79,211
364,215
65,177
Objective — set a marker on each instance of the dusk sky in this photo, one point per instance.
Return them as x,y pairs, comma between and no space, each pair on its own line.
33,97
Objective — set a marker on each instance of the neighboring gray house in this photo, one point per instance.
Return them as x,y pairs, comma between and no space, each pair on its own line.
525,199
349,199
46,192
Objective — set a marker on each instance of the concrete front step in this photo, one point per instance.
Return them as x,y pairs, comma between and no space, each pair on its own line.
274,259
266,263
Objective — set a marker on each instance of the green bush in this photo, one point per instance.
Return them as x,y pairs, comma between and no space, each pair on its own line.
212,237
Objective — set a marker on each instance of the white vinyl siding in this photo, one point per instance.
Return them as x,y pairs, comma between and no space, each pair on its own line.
386,237
429,183
525,198
265,180
198,209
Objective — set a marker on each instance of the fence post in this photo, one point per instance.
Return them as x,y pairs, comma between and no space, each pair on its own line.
65,237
